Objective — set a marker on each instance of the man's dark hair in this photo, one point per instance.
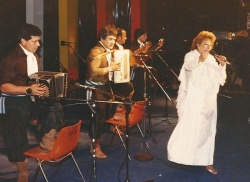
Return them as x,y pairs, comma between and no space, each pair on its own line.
139,32
119,31
106,31
28,30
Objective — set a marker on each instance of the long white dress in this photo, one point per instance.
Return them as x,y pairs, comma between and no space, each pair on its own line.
193,139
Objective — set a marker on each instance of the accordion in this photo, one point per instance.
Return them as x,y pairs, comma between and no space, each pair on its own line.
122,56
55,82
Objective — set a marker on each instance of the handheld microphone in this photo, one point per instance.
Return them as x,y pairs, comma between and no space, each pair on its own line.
141,66
213,53
65,43
78,85
242,3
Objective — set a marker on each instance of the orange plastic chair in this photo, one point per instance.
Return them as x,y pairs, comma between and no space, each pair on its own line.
64,145
135,116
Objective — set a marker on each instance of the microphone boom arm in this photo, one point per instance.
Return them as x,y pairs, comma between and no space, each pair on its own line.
98,90
151,74
76,53
166,64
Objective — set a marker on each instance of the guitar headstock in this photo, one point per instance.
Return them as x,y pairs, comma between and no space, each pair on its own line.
161,42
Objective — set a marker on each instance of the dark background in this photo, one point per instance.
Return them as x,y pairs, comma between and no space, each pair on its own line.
177,21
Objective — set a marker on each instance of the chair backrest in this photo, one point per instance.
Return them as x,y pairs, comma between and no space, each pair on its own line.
137,113
66,141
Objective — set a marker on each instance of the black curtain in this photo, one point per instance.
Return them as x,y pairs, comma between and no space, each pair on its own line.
122,15
87,33
51,60
87,27
12,15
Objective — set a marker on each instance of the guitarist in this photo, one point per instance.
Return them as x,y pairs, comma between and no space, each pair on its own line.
140,45
142,51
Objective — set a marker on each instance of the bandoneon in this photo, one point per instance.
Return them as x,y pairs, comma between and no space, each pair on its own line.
55,82
122,56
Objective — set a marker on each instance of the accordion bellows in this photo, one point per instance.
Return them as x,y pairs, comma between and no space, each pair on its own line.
56,82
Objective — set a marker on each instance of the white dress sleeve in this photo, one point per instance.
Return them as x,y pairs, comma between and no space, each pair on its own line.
191,60
208,76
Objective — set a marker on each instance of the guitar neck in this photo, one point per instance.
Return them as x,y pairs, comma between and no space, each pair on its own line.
152,48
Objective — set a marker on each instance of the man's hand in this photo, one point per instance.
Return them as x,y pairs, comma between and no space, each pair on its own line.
39,90
115,66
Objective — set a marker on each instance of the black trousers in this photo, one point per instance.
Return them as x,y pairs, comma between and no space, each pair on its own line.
140,86
125,90
50,116
14,127
101,93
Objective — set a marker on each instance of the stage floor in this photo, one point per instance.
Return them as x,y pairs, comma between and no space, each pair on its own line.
231,159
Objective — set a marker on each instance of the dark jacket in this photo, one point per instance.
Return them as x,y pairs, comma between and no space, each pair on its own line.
13,67
97,65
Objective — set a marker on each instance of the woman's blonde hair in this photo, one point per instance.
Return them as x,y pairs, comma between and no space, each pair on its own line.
202,36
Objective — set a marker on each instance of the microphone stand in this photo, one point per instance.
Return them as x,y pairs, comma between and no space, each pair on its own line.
92,106
76,53
152,75
127,145
145,155
166,64
166,104
93,122
104,92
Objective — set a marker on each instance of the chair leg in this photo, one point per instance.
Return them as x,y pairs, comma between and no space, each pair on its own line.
118,131
119,134
40,165
77,167
142,135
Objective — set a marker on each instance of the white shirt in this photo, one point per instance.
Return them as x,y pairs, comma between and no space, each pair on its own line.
109,59
141,43
32,66
119,46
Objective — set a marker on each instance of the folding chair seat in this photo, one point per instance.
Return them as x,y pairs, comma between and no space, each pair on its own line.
64,145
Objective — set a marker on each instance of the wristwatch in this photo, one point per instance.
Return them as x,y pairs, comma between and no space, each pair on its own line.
28,91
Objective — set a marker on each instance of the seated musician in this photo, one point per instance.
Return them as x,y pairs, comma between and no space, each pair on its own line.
125,90
49,117
142,50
